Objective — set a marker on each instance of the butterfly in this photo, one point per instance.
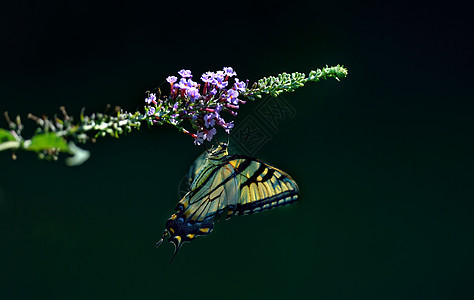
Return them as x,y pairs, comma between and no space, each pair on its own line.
222,184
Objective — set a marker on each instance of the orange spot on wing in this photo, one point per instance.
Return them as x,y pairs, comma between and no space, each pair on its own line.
234,163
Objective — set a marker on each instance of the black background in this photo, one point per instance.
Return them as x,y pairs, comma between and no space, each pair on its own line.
383,159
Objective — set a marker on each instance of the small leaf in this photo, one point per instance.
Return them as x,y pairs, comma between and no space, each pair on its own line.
6,136
46,141
79,156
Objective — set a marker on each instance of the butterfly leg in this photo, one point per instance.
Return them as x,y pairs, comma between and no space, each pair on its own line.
165,233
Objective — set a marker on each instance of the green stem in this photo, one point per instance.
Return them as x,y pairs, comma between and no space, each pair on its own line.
13,145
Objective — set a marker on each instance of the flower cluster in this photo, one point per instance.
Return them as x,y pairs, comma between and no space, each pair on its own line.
202,104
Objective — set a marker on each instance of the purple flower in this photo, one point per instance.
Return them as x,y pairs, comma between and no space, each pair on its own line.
219,120
185,73
213,92
220,83
218,108
228,126
210,134
219,76
175,106
240,85
151,98
209,120
207,77
182,84
232,97
171,79
229,71
200,137
151,111
193,94
186,84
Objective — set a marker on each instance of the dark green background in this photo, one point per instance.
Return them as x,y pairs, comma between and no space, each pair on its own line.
383,159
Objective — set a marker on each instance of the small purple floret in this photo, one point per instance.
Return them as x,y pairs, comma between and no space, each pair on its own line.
213,92
229,71
228,126
171,79
200,137
151,98
193,94
232,97
186,84
240,85
151,111
209,120
210,134
220,83
207,77
185,73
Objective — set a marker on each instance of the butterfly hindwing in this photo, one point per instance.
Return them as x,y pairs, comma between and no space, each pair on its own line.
261,186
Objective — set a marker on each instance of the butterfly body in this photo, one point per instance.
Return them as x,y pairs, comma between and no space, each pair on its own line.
222,184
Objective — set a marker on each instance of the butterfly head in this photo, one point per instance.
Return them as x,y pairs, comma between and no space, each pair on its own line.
219,152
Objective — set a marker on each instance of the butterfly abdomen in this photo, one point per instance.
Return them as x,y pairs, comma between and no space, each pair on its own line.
187,229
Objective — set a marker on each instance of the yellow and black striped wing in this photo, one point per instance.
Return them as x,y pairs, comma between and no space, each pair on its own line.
261,186
212,190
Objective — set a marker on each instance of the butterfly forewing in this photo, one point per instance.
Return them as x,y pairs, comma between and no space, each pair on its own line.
213,192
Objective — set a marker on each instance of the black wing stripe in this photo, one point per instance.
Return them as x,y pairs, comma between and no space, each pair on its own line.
269,175
205,203
255,175
208,202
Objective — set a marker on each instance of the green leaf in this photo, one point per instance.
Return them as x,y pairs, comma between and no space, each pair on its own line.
48,140
6,136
